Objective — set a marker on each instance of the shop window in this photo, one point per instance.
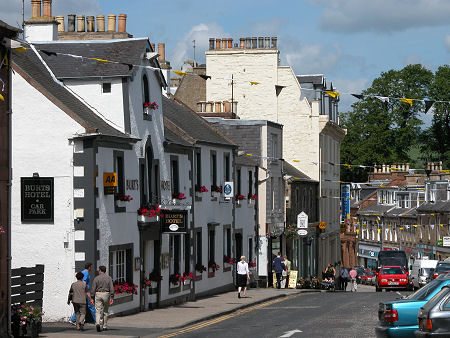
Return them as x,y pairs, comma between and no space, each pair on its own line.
227,242
238,182
250,249
187,253
120,171
120,263
250,182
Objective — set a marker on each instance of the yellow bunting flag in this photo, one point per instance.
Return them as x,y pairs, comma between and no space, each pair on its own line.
415,225
254,83
389,225
341,182
100,60
441,225
401,228
347,165
382,186
20,49
249,155
445,171
431,214
408,101
179,72
332,94
379,230
295,161
357,231
2,98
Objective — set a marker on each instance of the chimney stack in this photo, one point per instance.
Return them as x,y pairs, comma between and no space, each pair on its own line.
47,8
122,28
162,52
230,43
61,27
90,23
35,9
100,23
80,23
111,23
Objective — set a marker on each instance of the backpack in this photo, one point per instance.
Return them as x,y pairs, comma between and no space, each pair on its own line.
344,273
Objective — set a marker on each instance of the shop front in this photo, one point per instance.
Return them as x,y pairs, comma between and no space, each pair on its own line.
368,255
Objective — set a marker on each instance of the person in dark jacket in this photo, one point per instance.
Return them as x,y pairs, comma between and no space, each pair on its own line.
278,267
77,295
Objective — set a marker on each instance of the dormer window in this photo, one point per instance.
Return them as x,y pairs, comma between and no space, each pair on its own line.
106,87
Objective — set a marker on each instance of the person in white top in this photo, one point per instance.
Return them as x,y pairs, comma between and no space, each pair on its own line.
242,276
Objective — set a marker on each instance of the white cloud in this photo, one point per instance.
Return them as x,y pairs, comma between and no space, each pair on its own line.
353,16
201,34
447,42
307,59
11,10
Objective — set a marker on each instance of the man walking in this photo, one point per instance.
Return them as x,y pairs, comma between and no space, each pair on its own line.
103,293
87,281
278,267
353,273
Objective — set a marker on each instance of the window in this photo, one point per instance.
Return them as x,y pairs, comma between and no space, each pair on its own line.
431,193
403,201
238,182
250,249
211,245
198,169
272,188
174,175
145,90
227,242
175,253
226,163
198,247
106,87
120,263
213,169
187,253
119,169
274,146
250,182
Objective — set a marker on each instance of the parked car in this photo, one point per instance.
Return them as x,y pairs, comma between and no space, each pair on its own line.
398,318
391,277
441,267
421,272
368,277
434,316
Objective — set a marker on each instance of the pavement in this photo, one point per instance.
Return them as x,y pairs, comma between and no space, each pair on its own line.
172,317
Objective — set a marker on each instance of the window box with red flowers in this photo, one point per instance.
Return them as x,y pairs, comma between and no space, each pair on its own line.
199,190
212,268
148,107
125,288
227,263
177,196
154,278
216,190
239,198
174,280
251,199
186,278
251,265
122,200
147,214
199,269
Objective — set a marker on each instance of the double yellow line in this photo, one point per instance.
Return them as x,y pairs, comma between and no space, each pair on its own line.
225,317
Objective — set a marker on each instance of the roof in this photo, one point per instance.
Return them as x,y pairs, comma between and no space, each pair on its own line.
290,170
192,125
14,30
375,209
192,88
439,206
28,65
127,51
317,79
246,161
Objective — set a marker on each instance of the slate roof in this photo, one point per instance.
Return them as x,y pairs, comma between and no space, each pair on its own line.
128,51
5,26
316,79
193,125
192,88
375,209
439,206
399,212
38,76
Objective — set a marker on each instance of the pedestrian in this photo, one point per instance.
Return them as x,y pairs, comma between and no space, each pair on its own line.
344,278
87,281
353,273
78,294
103,294
285,273
243,274
278,267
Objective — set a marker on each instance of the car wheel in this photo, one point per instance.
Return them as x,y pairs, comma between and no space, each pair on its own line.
377,289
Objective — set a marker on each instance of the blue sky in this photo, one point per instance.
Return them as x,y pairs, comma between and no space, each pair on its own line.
349,41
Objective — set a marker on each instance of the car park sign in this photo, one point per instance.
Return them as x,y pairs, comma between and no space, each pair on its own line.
302,220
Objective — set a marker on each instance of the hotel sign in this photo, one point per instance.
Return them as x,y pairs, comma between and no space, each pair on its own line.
37,199
174,221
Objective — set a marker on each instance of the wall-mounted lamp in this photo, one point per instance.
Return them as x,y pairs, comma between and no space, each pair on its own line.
36,175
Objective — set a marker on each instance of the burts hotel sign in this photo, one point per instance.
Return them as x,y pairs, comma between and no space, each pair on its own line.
37,199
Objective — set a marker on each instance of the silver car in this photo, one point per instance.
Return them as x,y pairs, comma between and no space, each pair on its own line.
434,316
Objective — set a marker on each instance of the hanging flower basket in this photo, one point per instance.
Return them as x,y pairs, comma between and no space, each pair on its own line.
213,266
178,196
149,213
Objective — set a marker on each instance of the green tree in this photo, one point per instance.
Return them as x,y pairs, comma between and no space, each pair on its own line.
383,132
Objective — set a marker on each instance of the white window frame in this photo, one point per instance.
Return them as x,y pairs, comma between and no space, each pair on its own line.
119,265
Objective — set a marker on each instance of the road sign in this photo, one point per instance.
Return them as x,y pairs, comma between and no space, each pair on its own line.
302,220
302,232
446,241
228,190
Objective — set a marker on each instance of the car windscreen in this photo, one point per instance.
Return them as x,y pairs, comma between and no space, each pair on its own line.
392,271
432,302
423,293
426,271
442,267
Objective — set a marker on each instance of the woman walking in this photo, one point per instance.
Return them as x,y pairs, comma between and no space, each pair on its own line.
242,276
77,295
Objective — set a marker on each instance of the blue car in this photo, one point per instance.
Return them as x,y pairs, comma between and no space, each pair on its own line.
398,318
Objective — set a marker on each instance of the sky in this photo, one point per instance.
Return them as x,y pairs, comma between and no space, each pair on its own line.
349,41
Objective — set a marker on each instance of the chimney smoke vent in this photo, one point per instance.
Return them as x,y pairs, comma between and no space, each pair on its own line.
260,42
242,43
217,43
90,23
211,43
162,52
267,44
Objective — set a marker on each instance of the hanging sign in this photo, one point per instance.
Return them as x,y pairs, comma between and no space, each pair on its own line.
322,225
37,196
345,201
109,183
174,221
446,241
302,220
228,189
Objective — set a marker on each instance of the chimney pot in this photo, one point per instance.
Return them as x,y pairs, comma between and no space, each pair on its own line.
211,43
162,52
254,43
260,42
122,28
90,23
217,43
274,42
153,46
407,166
224,43
440,165
242,43
248,43
35,9
71,23
111,22
230,43
47,8
60,19
100,23
80,23
267,45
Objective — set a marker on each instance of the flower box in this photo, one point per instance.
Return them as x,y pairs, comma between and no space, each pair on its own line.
31,329
121,204
148,219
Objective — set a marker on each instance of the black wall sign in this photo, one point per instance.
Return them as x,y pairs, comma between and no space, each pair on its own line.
37,199
174,221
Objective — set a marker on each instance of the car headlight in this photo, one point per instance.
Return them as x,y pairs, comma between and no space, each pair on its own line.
384,280
403,280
